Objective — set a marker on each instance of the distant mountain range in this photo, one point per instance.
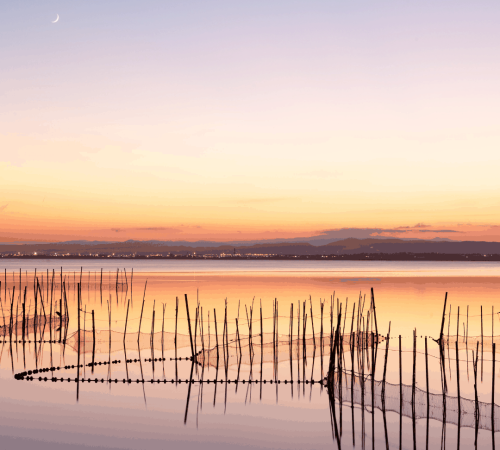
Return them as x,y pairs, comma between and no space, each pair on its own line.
349,246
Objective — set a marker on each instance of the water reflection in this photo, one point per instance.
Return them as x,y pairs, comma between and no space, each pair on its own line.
395,388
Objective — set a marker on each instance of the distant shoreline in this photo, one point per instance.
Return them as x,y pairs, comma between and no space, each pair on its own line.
354,257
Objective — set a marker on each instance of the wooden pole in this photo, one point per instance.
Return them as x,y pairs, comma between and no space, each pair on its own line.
467,332
60,319
449,323
458,378
162,328
126,321
414,368
93,340
202,332
427,371
374,312
443,318
101,286
140,321
189,325
312,322
474,362
176,315
153,326
400,373
481,328
385,360
196,317
493,385
216,337
35,318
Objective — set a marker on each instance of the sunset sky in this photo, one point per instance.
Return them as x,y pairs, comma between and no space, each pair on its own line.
223,120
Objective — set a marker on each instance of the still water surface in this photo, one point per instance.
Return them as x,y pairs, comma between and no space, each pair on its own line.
409,295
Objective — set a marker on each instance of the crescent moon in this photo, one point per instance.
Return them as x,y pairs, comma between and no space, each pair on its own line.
57,19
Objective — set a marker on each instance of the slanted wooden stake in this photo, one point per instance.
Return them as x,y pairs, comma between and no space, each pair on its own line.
385,358
126,321
189,325
142,310
443,318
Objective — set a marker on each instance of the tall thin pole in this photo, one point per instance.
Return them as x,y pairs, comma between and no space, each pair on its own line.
189,325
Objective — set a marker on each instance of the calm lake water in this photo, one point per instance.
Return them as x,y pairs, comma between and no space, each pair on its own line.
252,413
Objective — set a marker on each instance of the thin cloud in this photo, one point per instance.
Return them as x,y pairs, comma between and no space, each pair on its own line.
2,208
421,225
162,229
439,231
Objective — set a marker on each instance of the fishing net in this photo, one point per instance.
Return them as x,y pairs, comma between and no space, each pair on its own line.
444,408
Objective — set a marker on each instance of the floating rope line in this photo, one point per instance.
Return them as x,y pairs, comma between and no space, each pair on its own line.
29,376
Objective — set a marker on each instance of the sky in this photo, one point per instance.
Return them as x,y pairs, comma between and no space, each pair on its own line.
224,120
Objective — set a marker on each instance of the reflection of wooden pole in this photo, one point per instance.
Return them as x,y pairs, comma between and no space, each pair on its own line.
458,321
